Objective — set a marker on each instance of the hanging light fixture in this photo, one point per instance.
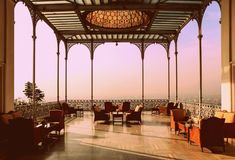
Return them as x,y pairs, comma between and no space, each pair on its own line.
117,19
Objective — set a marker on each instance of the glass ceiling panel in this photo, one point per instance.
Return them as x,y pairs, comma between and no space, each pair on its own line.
93,36
146,36
79,1
88,36
120,36
135,36
109,36
151,36
67,36
87,2
104,36
99,36
59,12
78,36
185,1
154,1
83,36
97,2
37,2
141,36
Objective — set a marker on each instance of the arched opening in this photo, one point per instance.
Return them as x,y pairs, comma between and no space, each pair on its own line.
79,73
211,54
188,63
62,71
46,61
23,50
155,72
117,72
172,72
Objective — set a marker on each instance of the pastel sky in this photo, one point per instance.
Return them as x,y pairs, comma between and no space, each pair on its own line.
117,69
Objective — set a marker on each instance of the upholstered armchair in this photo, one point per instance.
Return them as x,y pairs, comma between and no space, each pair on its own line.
229,124
126,106
108,107
212,132
166,109
68,110
100,114
24,135
177,115
135,115
56,118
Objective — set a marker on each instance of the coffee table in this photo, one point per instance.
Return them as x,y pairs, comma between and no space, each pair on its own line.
117,117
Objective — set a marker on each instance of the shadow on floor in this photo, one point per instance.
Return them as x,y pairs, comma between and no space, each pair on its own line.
73,150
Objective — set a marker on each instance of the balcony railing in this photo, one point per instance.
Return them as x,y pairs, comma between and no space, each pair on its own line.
207,110
42,110
148,103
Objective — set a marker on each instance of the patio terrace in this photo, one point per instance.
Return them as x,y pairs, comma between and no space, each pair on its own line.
84,139
153,140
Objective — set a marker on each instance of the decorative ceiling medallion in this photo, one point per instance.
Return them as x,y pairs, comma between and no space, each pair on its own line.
117,19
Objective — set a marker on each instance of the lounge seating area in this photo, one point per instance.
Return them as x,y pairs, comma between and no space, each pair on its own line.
208,132
24,135
112,112
82,134
28,134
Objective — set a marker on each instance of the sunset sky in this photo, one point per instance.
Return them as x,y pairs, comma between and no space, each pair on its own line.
117,69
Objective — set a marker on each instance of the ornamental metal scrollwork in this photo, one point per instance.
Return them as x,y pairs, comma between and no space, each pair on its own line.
95,45
35,17
70,45
139,45
166,46
88,45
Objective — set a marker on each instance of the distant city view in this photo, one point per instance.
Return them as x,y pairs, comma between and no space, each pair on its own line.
216,99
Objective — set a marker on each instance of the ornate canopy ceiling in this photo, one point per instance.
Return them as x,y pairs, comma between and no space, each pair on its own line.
82,21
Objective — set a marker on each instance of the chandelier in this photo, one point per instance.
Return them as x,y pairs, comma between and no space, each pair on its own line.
117,19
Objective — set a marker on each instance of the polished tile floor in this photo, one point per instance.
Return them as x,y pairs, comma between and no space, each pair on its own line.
85,140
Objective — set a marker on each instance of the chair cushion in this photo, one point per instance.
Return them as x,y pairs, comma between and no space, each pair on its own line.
5,118
119,108
97,108
229,117
219,114
137,108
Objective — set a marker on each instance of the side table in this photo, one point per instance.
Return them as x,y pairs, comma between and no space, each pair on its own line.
117,117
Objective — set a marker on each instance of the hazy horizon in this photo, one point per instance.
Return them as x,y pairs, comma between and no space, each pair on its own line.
117,69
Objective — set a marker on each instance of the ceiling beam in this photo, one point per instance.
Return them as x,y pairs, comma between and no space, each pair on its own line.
75,32
147,7
116,40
